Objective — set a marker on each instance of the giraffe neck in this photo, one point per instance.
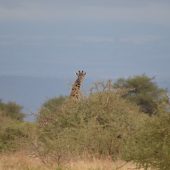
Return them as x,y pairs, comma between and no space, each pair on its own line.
78,83
75,92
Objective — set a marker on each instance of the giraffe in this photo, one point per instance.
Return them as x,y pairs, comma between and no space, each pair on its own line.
75,91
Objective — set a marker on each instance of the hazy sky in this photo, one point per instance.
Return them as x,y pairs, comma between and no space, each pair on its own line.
106,38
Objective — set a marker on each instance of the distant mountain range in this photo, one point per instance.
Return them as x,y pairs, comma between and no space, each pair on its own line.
32,92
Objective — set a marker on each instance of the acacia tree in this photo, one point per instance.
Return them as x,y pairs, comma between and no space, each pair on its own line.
144,92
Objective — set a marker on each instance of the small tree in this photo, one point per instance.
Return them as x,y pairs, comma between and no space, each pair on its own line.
143,91
12,110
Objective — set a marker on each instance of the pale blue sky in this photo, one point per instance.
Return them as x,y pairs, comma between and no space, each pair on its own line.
106,38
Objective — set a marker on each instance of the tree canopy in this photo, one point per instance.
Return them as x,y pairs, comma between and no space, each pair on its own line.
143,91
12,110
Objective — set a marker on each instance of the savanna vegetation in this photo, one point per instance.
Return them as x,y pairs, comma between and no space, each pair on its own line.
127,120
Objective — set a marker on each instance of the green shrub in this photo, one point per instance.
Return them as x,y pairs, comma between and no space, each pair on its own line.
12,110
98,125
150,146
14,135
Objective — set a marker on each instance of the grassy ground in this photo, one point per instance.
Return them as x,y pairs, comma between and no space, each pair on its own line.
21,161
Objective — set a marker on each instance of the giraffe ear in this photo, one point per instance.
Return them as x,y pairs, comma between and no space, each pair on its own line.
77,74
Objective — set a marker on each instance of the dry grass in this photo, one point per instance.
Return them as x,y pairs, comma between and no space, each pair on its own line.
21,161
97,164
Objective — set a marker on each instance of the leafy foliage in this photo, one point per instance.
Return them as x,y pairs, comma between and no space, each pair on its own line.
13,134
143,91
98,125
12,110
150,146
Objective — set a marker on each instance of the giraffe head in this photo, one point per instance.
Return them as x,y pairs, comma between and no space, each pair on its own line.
81,75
